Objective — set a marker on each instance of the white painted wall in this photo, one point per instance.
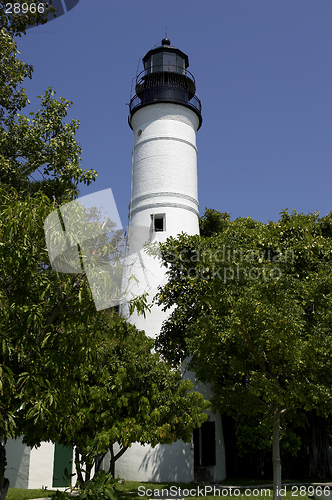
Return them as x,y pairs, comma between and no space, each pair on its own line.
41,466
218,471
18,463
162,463
164,181
31,467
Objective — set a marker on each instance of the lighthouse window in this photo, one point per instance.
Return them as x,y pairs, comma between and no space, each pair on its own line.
170,63
157,62
147,66
159,222
181,65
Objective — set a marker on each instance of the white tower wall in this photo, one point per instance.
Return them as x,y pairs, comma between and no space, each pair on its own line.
164,183
164,173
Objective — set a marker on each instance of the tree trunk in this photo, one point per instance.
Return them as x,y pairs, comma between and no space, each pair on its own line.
111,469
4,483
78,467
276,456
112,462
88,469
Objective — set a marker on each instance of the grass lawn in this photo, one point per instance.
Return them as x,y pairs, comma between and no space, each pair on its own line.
23,494
132,490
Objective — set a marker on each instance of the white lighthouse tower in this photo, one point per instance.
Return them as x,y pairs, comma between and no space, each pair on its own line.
165,114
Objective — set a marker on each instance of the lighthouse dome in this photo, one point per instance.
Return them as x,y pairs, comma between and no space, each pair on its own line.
165,78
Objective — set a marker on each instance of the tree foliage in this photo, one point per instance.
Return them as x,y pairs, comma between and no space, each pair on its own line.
124,394
62,364
38,145
33,299
253,310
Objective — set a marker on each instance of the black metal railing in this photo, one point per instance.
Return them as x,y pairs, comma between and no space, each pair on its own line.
165,86
136,102
163,68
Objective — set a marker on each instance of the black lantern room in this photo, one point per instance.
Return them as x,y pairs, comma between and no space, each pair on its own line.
165,78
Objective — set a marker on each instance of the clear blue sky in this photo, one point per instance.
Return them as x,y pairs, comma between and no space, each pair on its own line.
263,73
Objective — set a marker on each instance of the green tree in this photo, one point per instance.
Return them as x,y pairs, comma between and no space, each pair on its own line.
253,310
39,308
42,317
39,144
49,326
124,394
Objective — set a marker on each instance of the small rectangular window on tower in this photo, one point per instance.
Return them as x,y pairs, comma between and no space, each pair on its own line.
159,222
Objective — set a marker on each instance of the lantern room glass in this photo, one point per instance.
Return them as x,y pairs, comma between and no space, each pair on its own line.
165,61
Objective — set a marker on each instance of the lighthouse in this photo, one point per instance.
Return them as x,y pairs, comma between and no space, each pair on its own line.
165,115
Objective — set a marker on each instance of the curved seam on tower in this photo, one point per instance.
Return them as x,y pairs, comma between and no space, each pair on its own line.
168,139
167,204
162,193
